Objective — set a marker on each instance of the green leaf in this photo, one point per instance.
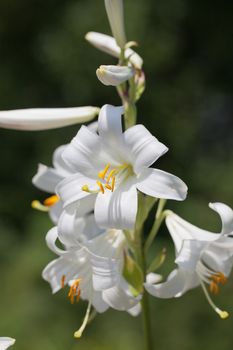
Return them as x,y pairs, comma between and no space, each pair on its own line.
158,261
133,274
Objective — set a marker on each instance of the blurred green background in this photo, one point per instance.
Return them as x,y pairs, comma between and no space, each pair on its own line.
45,62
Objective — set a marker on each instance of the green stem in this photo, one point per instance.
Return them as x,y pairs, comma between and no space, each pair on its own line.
144,301
159,217
146,322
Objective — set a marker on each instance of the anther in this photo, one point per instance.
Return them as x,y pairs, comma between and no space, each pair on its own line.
103,173
50,201
63,278
100,186
112,172
113,183
74,292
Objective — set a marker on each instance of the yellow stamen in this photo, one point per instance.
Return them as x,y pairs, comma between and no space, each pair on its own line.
63,281
214,288
103,173
113,183
100,186
38,206
108,187
74,292
112,172
217,279
50,201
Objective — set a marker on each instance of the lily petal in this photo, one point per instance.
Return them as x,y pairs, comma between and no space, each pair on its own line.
169,289
226,214
160,184
108,44
181,230
70,188
56,269
46,178
117,209
110,125
119,297
45,118
144,147
5,342
82,153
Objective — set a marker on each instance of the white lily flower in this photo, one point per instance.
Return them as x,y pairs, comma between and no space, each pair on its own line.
46,118
202,257
112,166
115,12
6,342
108,44
90,263
114,75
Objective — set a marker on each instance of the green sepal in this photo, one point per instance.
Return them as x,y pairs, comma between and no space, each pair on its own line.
133,274
158,261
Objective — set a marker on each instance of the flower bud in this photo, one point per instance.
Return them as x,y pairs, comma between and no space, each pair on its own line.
114,75
115,12
108,44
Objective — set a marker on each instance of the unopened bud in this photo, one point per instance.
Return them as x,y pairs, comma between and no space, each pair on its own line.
114,75
115,12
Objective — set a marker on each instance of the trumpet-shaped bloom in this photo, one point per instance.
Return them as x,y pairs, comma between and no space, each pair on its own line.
115,12
112,166
91,264
6,342
114,75
108,44
203,258
46,118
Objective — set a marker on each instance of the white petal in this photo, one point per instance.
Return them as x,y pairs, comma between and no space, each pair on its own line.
135,311
62,168
46,179
119,297
56,269
5,342
117,209
181,230
153,278
45,118
55,212
114,75
160,184
110,125
226,214
73,229
108,44
51,238
83,151
106,272
143,146
115,12
190,254
70,189
98,302
169,289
